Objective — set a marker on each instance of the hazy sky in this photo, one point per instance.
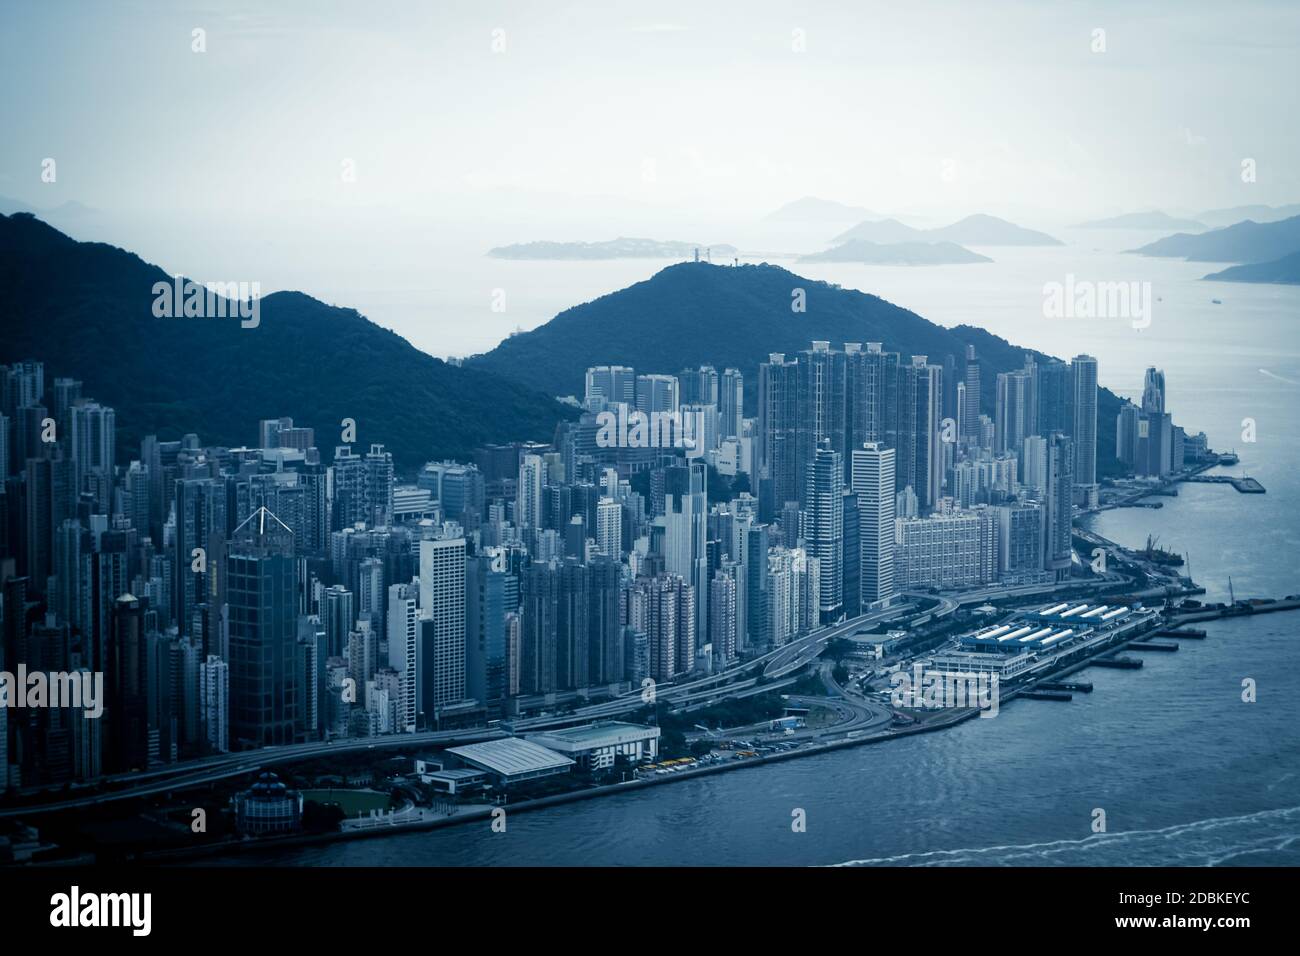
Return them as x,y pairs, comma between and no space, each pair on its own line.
605,106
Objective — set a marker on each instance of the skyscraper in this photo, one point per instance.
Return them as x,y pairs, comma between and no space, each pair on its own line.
1058,500
873,483
261,588
1153,392
731,403
609,528
608,384
970,429
1084,374
778,423
403,650
918,463
824,526
685,531
442,603
528,502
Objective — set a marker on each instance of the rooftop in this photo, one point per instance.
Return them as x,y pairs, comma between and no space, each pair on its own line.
511,756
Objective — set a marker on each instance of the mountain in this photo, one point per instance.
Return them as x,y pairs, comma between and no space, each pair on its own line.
1155,219
612,249
1285,270
1247,241
1218,218
694,313
86,310
811,209
68,211
883,230
976,230
897,253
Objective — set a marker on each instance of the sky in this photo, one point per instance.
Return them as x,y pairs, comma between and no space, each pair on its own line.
722,107
481,123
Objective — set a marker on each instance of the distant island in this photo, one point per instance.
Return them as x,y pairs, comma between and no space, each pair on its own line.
897,253
1155,219
1285,271
620,248
1218,218
1247,241
976,230
812,209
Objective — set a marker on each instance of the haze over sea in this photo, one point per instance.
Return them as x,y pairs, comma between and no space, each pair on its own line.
1167,750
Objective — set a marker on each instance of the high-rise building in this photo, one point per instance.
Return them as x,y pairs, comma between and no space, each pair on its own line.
657,394
1020,542
94,439
971,406
442,603
1126,434
1013,416
778,423
528,502
214,704
609,528
821,408
1083,372
756,583
403,634
1058,506
1153,392
731,403
610,384
685,532
824,526
722,613
1054,398
261,597
918,462
873,483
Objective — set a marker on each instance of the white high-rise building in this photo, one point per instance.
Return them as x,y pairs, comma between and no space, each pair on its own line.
1033,463
528,500
610,384
872,480
403,650
609,528
442,603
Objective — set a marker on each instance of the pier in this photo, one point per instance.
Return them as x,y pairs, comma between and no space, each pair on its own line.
1153,646
1246,485
1184,632
1046,695
1082,687
1122,663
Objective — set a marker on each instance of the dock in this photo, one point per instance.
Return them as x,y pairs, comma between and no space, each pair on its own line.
1153,646
1046,695
1082,687
1123,663
1191,633
1245,485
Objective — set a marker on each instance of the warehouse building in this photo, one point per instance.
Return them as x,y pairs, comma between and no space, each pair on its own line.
511,761
601,745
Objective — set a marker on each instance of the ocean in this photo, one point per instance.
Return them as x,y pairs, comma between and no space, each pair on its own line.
1185,771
